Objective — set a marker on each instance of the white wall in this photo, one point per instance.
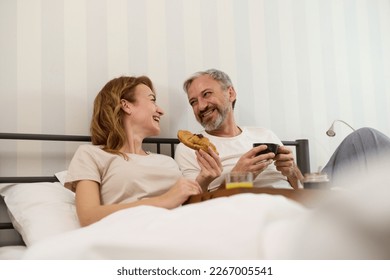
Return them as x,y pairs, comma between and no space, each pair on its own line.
297,65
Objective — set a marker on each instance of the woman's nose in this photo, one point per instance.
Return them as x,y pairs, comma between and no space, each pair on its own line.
160,110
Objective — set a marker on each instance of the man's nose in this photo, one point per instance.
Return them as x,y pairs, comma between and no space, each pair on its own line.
202,103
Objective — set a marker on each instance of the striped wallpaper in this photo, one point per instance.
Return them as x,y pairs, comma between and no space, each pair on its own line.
297,65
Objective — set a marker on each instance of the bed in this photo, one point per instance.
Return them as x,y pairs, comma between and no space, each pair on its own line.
38,221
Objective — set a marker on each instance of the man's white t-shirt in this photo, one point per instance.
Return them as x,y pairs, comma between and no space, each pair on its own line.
230,149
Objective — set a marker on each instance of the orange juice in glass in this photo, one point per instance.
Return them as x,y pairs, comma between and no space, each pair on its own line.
239,180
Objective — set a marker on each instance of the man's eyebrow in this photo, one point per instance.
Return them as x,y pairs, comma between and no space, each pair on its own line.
205,90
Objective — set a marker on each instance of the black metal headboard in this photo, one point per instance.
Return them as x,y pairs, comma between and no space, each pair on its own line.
301,151
156,142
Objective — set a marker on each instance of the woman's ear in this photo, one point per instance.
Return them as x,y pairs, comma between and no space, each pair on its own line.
126,106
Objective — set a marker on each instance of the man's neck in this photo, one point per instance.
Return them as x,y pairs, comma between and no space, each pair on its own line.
229,131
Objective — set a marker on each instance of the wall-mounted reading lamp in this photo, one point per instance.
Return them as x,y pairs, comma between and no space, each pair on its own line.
330,132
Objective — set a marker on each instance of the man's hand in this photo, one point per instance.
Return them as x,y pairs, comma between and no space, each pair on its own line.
284,162
249,162
210,167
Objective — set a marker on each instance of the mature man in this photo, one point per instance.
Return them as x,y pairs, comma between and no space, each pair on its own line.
212,97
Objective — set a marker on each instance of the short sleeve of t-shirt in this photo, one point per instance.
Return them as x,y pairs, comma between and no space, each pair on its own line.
84,166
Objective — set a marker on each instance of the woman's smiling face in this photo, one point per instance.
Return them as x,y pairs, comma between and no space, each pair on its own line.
145,110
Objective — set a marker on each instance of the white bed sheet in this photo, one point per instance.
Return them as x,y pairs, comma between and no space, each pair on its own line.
12,252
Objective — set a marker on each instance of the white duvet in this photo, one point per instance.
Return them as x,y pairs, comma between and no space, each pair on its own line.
354,225
224,228
244,226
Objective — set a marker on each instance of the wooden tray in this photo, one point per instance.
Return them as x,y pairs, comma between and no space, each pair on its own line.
307,197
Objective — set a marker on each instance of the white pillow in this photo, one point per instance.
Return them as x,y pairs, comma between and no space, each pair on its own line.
40,210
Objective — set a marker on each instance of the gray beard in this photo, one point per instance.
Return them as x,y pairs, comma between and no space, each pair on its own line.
210,126
213,125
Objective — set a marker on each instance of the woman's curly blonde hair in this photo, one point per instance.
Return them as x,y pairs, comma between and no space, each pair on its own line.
106,125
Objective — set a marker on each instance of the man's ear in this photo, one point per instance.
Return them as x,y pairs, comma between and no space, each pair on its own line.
126,106
232,93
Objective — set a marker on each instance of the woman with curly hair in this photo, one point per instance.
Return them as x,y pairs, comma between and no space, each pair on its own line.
115,172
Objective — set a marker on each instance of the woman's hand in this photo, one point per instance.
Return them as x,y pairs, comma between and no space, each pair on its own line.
210,167
180,192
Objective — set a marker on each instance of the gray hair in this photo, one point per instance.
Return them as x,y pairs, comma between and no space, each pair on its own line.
215,74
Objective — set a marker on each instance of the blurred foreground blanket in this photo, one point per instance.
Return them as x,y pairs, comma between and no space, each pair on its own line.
354,225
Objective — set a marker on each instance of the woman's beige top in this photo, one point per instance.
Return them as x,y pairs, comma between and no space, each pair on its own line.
122,180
